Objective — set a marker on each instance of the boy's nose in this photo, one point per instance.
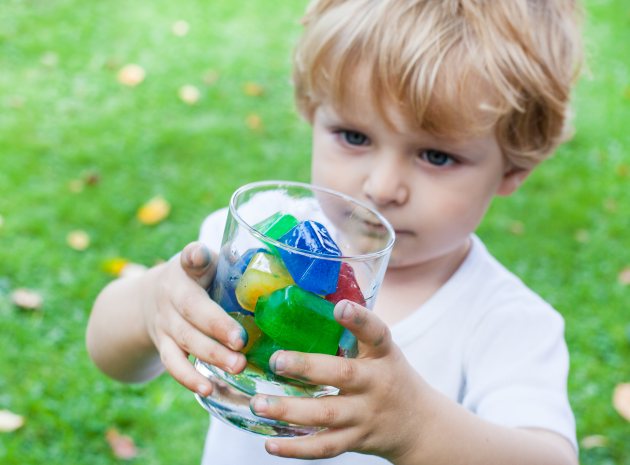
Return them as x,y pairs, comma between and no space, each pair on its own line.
385,184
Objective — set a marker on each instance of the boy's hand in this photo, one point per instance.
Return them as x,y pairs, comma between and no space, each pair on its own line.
379,391
183,320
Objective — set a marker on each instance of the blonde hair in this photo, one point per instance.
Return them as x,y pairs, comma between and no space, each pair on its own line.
453,67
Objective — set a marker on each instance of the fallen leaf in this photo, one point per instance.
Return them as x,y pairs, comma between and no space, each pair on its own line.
621,400
610,205
27,299
76,186
78,240
92,178
210,77
253,89
154,211
114,266
132,270
582,236
10,421
189,94
624,276
131,75
180,28
122,445
254,122
517,228
593,441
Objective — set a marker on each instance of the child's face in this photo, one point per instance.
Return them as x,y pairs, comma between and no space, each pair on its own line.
433,191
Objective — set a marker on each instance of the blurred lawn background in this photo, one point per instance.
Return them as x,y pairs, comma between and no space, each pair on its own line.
81,151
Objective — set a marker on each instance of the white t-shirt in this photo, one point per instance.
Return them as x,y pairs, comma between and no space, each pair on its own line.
483,339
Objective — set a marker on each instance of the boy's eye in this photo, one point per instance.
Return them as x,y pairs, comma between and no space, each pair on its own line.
437,158
354,138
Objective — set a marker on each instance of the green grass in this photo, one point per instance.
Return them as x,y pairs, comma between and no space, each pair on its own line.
64,116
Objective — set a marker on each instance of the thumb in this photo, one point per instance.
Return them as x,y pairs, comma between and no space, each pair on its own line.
199,263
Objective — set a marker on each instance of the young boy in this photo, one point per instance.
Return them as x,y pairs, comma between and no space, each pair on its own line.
426,110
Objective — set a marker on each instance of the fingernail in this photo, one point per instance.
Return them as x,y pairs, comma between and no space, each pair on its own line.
278,362
273,448
343,310
232,361
260,404
200,257
203,390
237,338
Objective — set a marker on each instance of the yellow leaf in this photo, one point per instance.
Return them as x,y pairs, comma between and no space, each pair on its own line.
180,28
254,122
624,276
189,94
593,441
10,421
210,77
78,240
27,299
131,75
114,266
253,89
517,228
621,400
122,446
154,211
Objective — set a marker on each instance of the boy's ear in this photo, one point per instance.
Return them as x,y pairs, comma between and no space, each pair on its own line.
512,179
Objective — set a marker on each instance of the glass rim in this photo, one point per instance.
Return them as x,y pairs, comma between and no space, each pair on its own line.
357,258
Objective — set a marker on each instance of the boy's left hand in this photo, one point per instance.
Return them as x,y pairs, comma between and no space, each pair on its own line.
377,404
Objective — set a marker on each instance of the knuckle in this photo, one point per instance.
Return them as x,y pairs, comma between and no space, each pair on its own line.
327,450
327,415
347,370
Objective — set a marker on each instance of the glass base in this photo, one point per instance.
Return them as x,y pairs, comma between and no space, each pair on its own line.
231,396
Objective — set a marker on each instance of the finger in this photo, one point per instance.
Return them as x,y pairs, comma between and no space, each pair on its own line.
325,444
199,310
373,335
176,362
327,411
199,263
343,373
192,341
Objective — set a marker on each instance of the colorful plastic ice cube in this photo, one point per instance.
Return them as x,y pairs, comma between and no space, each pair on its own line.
276,226
347,287
248,323
316,275
227,278
264,274
261,351
299,320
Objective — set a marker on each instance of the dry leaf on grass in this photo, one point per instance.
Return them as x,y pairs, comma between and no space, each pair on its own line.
254,122
27,299
593,441
253,89
189,94
78,240
131,75
621,400
154,211
624,276
122,445
10,421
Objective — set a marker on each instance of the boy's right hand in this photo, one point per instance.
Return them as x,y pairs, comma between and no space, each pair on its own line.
183,320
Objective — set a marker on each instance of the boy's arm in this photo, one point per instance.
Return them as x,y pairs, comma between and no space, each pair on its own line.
385,408
141,326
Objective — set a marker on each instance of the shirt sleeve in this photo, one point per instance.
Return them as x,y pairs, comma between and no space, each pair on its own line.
211,233
517,367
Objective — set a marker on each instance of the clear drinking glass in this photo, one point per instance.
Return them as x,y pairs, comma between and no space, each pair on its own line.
289,252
